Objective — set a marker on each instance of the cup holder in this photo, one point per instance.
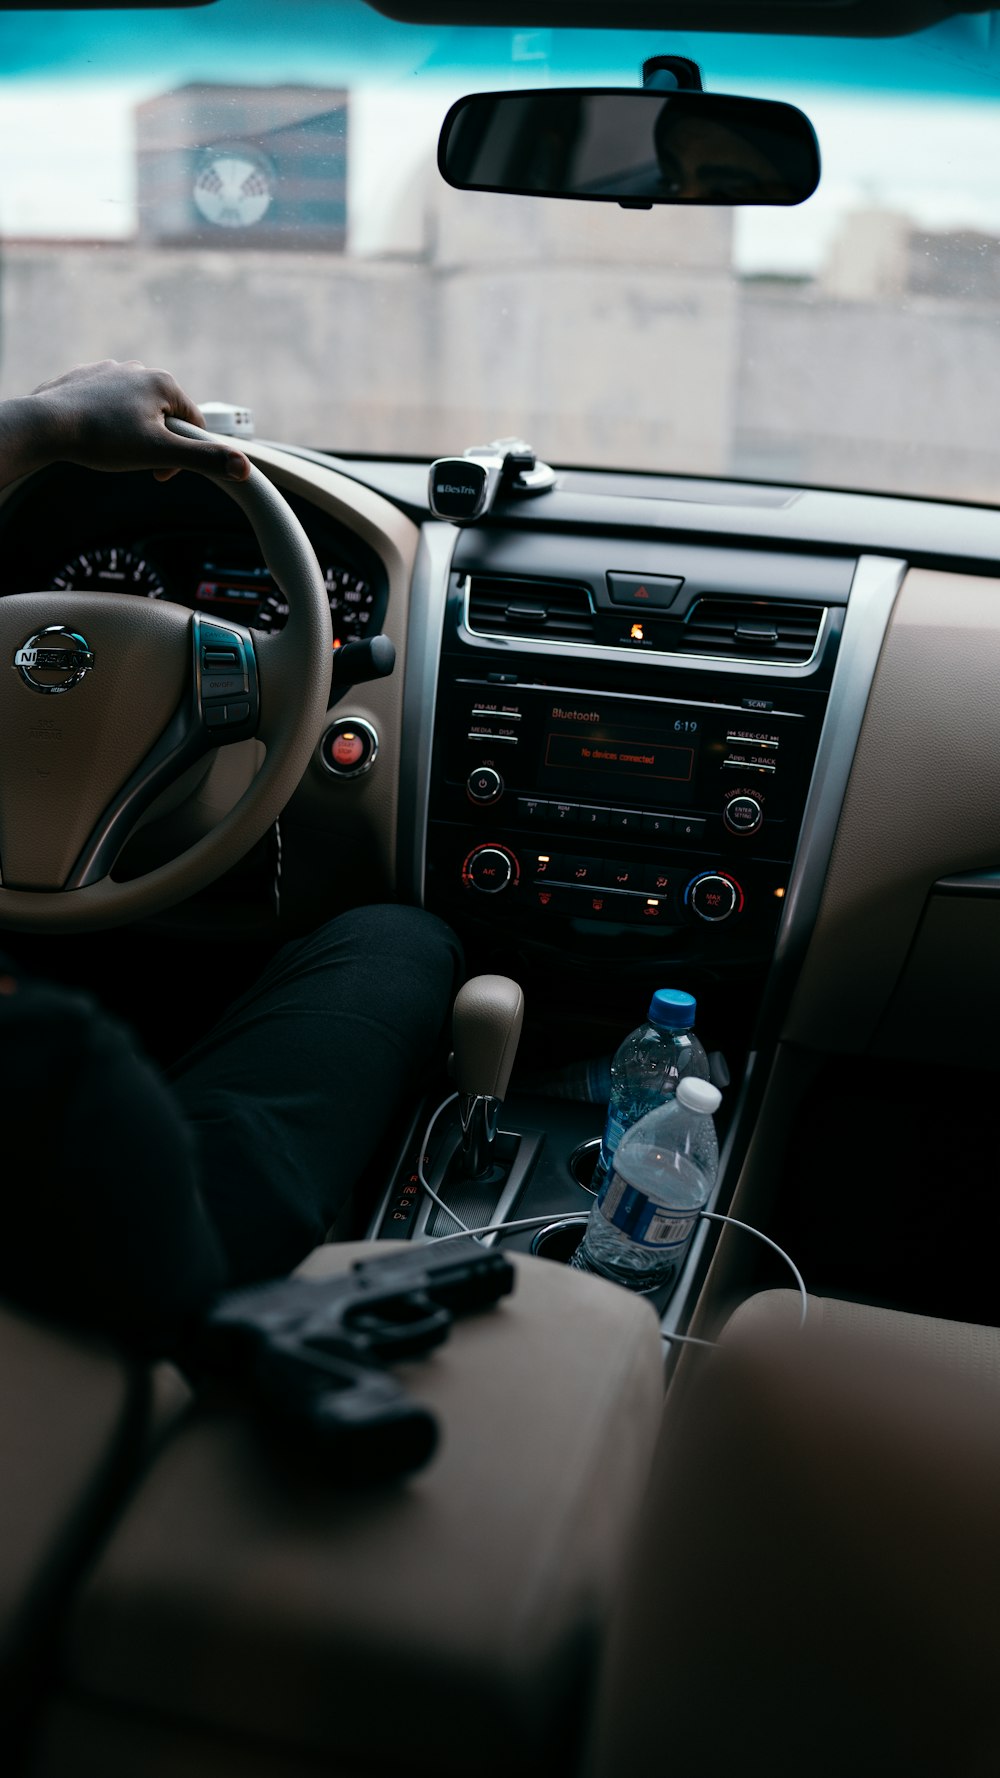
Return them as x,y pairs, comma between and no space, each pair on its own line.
583,1160
559,1241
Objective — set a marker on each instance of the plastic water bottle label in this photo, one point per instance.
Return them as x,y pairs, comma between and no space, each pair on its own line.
642,1218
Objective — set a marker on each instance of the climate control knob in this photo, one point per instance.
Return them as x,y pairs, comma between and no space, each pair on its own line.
714,897
484,785
490,869
743,814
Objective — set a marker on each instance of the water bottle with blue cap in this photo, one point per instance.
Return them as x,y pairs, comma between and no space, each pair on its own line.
647,1068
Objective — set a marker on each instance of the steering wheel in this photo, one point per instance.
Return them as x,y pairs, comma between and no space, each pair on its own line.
105,698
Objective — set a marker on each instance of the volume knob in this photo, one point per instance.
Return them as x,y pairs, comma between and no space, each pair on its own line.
484,785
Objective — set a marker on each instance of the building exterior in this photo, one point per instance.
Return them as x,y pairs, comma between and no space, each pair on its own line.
261,167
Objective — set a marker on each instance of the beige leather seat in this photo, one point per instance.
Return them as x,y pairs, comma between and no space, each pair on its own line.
802,1579
76,1421
813,1587
248,1619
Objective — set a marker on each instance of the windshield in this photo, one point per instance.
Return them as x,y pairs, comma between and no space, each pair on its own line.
247,193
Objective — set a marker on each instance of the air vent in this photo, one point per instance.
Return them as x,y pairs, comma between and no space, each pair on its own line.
751,629
559,610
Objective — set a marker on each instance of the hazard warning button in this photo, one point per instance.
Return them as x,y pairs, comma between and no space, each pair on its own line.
643,592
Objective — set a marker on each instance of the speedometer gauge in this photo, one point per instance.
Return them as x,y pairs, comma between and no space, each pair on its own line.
352,601
110,570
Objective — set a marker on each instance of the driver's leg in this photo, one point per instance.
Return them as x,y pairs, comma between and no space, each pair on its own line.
290,1093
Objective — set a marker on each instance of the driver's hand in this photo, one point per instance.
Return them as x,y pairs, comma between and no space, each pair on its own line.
110,416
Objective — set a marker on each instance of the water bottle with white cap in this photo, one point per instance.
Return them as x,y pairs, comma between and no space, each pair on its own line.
647,1210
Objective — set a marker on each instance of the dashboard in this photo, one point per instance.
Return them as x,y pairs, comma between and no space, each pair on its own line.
641,731
632,725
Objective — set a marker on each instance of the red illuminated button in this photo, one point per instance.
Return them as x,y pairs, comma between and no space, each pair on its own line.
643,591
348,747
714,897
648,910
582,870
490,869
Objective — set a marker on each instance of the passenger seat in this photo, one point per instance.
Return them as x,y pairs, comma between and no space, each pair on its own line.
814,1582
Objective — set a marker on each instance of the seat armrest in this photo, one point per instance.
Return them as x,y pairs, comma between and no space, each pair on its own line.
442,1624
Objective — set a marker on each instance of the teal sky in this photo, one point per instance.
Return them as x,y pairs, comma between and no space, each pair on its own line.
69,83
270,39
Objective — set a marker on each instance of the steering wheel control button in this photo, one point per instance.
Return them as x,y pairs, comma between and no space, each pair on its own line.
643,592
54,660
490,869
227,679
349,747
221,685
484,785
743,814
714,897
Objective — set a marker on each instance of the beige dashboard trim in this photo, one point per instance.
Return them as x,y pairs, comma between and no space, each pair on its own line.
922,802
364,807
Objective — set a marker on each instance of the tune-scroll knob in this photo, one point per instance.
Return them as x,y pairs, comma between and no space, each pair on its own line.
490,869
713,896
484,785
743,814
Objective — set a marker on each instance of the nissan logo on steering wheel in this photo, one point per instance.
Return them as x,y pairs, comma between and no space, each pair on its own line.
61,655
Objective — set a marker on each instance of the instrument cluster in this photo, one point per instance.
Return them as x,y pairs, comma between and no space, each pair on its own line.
220,577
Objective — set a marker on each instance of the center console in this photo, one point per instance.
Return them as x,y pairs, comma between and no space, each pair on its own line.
641,773
626,757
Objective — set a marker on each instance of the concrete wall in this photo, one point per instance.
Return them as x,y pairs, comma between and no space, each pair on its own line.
899,397
623,362
605,337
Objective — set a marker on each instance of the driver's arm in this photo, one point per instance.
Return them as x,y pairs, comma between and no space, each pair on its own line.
109,416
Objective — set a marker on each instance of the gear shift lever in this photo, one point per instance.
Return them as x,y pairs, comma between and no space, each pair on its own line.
486,1026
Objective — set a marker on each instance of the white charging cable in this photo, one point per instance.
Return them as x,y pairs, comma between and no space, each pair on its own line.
541,1222
463,1227
748,1229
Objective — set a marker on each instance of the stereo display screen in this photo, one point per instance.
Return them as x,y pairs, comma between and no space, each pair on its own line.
612,755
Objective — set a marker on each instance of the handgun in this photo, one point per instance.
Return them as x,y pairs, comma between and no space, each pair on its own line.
309,1354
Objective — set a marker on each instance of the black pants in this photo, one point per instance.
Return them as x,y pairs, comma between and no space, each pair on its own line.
133,1199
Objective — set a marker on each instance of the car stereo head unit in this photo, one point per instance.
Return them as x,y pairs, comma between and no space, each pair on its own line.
617,805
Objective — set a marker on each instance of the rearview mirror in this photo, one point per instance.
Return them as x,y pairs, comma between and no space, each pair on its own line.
630,147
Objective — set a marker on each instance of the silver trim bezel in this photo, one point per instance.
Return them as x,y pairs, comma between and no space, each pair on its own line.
593,651
424,638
